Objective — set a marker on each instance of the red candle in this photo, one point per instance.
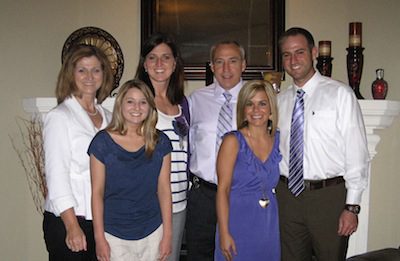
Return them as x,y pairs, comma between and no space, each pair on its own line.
324,48
355,34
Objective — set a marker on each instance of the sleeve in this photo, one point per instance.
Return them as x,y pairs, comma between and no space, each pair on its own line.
356,147
164,144
58,157
98,146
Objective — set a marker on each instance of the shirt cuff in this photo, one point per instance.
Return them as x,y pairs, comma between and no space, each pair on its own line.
61,204
353,197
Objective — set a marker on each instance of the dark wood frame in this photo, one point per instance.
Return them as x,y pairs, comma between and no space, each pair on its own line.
149,16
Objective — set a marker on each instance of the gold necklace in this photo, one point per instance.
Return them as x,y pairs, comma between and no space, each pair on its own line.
92,114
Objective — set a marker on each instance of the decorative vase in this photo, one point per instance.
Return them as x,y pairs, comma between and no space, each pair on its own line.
274,78
379,86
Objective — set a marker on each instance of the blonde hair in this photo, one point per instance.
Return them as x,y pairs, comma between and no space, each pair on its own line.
66,85
148,126
247,92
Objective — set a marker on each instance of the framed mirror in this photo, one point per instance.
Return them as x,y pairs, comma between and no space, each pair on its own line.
198,24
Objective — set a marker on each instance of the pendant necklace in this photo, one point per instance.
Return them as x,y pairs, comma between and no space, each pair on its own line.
263,201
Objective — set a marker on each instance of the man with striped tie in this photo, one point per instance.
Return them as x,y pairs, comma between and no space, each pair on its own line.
325,157
213,113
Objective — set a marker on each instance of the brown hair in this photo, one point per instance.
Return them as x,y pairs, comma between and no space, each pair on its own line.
66,85
175,90
294,31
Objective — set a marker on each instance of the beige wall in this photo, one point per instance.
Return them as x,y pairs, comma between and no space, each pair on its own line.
32,34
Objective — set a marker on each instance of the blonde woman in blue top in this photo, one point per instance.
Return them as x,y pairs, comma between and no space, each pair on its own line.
130,165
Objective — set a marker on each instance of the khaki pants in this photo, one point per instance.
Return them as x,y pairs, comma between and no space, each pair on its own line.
145,249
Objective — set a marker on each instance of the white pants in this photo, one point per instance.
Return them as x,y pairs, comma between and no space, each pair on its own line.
145,249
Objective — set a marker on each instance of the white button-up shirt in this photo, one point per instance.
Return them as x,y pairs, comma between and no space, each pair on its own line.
205,104
67,133
335,142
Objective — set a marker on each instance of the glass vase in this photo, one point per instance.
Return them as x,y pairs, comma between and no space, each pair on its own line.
379,87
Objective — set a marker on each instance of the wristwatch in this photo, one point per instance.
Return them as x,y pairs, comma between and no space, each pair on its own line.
355,209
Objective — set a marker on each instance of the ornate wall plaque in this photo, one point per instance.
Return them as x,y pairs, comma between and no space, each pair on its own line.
104,41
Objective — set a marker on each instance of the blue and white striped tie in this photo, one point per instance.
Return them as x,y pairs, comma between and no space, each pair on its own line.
296,178
224,119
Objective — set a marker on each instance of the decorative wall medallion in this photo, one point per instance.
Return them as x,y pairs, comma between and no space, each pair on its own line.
104,41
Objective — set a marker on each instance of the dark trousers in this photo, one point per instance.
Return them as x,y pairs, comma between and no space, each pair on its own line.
309,223
201,222
54,237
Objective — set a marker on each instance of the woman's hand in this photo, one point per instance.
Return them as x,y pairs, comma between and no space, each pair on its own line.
103,250
75,239
165,200
228,247
225,164
165,248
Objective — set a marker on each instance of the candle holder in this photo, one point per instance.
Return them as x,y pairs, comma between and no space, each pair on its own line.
355,57
355,62
324,65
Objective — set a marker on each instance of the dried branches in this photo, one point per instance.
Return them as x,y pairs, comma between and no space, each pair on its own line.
31,156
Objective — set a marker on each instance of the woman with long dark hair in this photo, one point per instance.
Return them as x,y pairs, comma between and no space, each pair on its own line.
161,68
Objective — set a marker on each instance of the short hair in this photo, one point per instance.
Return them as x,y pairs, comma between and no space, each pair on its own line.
297,31
247,92
66,85
216,45
148,127
175,91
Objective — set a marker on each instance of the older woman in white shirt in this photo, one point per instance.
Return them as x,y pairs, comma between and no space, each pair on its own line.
85,80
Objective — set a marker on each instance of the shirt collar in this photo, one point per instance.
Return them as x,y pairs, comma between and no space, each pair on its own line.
218,90
310,85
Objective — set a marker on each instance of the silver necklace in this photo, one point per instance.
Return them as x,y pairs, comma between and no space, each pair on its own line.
263,201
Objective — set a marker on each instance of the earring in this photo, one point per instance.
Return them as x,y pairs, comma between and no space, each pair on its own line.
269,126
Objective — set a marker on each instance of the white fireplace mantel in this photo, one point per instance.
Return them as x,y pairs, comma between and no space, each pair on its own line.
378,114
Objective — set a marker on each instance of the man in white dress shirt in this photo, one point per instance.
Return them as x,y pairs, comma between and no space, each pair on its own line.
227,64
319,220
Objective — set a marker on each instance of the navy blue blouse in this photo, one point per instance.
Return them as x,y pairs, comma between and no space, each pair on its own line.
131,206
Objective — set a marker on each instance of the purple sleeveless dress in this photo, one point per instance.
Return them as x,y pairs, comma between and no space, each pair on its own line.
254,229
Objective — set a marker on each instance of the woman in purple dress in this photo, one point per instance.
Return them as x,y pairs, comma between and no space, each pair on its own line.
248,171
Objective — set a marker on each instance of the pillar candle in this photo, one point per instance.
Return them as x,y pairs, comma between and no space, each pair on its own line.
355,35
324,48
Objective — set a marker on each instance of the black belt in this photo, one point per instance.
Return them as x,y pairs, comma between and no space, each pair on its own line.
317,184
199,182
